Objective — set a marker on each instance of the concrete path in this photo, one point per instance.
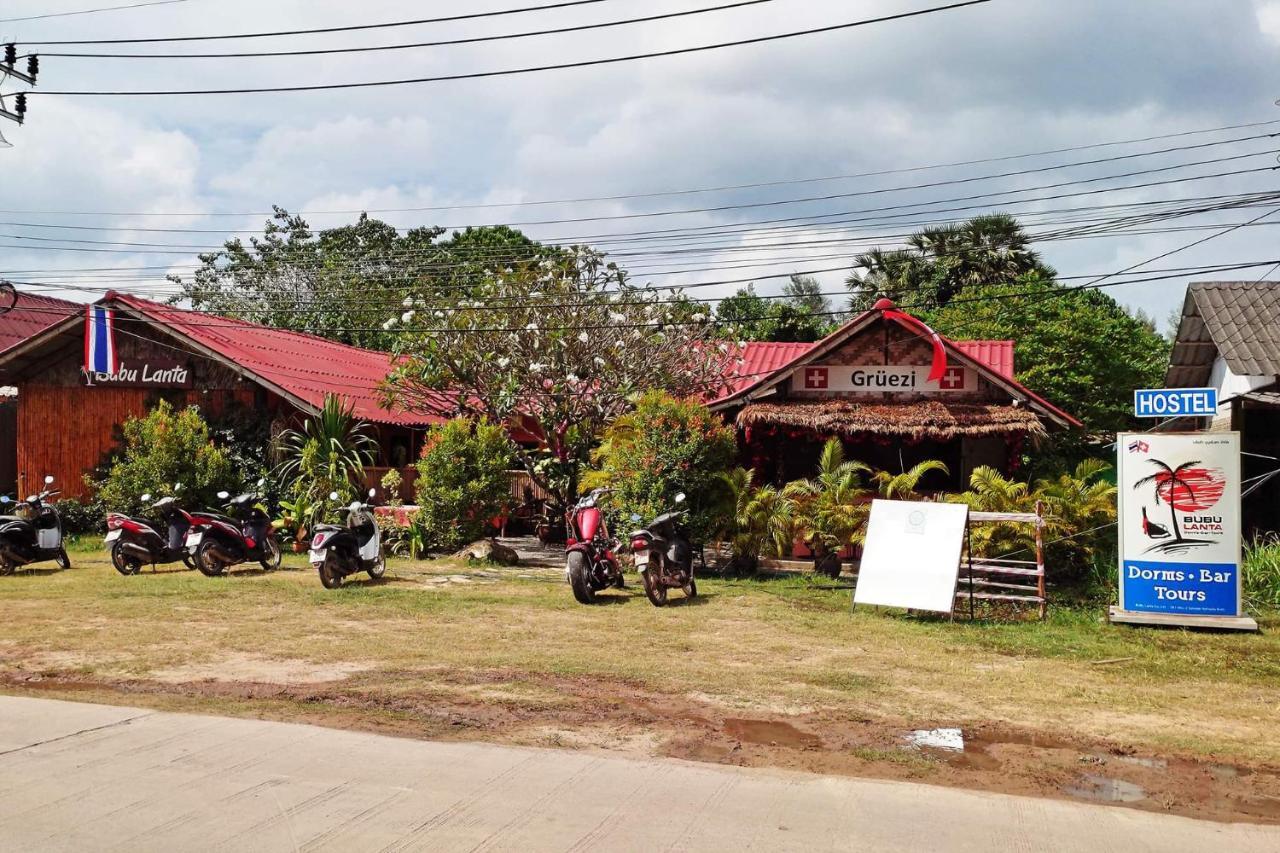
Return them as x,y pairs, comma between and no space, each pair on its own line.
89,777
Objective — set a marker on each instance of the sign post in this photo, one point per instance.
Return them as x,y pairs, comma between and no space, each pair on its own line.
1179,530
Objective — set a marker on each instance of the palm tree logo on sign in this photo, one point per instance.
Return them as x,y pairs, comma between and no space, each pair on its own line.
1188,488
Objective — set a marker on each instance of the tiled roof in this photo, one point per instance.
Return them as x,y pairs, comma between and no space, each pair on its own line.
1239,320
303,366
31,315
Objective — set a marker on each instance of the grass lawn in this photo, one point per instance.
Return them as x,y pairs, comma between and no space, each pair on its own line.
768,672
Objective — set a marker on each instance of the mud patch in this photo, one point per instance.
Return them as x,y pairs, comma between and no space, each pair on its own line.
1105,789
770,733
262,670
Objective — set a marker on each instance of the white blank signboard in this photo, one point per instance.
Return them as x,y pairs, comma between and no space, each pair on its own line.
912,555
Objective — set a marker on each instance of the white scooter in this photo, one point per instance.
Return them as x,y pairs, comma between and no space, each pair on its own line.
338,551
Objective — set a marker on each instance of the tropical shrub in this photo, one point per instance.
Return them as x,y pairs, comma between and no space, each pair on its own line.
758,520
1261,572
165,447
81,517
903,487
462,481
327,455
831,509
664,447
391,484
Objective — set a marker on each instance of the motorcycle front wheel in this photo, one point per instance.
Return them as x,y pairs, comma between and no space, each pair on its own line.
654,590
378,569
123,563
580,578
7,568
62,559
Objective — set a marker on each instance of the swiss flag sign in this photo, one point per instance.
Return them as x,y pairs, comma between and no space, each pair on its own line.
815,378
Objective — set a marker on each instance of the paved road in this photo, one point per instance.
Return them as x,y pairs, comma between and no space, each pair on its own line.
90,777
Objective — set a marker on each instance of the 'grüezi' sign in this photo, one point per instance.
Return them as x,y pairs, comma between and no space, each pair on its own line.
152,373
872,379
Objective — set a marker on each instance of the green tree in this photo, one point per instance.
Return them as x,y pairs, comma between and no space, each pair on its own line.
1078,348
462,481
572,347
748,316
163,448
342,283
664,447
327,455
805,292
941,262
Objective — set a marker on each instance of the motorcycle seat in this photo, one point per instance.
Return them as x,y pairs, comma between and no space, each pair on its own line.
328,528
640,534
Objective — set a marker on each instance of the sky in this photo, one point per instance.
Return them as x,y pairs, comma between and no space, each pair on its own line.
1008,77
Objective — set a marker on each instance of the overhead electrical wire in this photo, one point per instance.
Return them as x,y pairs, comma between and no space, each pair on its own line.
561,4
738,4
90,11
506,72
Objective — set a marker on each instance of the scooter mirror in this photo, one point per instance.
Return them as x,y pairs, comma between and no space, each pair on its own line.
262,482
48,478
372,492
177,487
680,498
146,497
223,495
4,499
333,496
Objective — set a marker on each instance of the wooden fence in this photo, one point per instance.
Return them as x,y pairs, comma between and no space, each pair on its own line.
1004,578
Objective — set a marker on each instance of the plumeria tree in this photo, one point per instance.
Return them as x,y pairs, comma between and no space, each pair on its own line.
558,347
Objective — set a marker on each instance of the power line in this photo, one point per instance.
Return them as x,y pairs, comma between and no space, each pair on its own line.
421,44
90,11
475,75
346,29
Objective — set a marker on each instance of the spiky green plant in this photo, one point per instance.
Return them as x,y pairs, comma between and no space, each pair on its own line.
831,508
327,455
903,487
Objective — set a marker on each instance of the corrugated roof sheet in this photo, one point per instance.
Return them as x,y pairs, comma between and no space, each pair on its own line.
304,366
1239,320
31,315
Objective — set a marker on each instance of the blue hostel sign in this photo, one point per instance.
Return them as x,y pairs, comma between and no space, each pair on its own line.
1175,402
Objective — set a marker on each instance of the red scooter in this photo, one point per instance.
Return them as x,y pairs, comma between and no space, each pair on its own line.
590,564
135,540
218,542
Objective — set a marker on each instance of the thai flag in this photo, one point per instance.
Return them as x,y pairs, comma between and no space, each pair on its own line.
100,340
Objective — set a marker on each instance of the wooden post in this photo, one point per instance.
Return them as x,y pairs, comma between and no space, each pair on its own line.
1044,599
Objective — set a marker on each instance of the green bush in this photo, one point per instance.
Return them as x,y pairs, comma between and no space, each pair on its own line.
462,481
82,517
663,447
162,448
1262,573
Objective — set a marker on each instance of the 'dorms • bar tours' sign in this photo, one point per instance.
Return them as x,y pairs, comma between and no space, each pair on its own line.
1179,529
151,373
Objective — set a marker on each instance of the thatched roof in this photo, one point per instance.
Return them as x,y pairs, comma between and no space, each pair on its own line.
931,419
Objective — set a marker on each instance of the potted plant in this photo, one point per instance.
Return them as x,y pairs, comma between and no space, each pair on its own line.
831,508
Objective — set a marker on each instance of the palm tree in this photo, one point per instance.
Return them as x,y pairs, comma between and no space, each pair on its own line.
328,454
903,486
1173,478
759,518
830,509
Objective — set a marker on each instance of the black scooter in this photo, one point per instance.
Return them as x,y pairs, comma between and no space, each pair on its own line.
135,540
664,556
218,542
33,533
338,551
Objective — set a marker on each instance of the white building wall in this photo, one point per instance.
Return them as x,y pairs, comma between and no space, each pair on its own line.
1231,385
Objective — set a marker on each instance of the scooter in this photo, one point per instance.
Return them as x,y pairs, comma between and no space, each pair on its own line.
135,540
590,564
33,533
664,556
338,551
218,542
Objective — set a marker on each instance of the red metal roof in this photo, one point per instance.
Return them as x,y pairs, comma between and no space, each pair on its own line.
31,315
305,367
997,355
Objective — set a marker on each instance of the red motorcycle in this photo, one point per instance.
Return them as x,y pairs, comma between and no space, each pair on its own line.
590,564
135,540
218,542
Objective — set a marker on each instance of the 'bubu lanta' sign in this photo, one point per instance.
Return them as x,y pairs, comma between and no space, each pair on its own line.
872,379
1179,520
151,373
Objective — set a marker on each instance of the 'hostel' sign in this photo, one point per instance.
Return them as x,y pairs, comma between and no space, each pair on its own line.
1179,524
152,373
873,379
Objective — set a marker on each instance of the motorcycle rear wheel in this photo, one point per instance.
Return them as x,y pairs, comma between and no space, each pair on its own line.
123,563
207,562
330,577
7,568
272,555
62,559
654,590
580,578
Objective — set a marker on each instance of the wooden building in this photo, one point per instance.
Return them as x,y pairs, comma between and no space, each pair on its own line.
868,383
68,419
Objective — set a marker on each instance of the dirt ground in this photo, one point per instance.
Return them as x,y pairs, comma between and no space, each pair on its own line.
773,674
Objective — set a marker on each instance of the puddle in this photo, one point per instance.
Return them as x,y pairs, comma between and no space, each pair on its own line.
1263,807
951,740
1104,789
770,733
